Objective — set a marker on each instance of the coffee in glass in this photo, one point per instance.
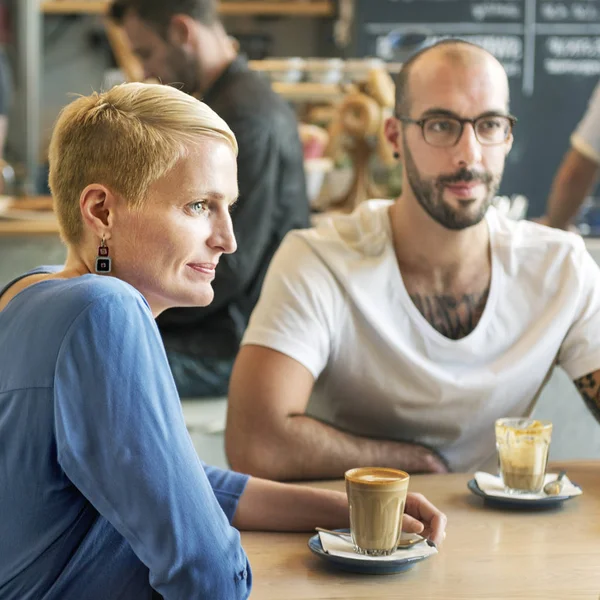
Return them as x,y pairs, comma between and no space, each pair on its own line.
523,446
376,497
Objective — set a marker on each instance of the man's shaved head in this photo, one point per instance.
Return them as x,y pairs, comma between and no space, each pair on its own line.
456,53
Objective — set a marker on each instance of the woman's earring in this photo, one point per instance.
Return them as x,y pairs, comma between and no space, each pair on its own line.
396,155
102,260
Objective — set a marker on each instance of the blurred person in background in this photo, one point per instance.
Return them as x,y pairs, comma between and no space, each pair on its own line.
7,175
183,43
577,175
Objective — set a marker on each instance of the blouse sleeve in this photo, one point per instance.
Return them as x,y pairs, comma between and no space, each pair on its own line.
122,441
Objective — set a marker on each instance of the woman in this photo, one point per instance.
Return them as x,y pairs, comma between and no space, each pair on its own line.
106,495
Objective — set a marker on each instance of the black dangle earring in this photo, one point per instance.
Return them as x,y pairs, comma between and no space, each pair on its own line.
396,155
102,260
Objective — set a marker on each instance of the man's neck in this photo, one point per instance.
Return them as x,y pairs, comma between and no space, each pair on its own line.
446,273
423,245
216,54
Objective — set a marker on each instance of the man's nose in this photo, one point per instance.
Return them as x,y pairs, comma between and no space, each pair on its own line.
467,150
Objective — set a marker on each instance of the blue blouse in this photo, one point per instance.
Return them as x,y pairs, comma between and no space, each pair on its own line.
102,494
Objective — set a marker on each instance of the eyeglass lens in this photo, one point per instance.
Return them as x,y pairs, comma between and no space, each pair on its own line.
446,131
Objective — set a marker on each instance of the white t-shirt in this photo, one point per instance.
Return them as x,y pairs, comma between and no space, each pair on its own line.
586,138
334,300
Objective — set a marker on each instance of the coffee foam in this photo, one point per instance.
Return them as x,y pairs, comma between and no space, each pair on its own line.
376,476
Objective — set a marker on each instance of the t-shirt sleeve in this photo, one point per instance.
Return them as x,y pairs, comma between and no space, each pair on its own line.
122,441
580,351
586,138
298,306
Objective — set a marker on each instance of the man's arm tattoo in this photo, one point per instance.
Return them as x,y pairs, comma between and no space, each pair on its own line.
453,317
589,388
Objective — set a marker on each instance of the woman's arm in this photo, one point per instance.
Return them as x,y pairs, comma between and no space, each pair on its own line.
272,506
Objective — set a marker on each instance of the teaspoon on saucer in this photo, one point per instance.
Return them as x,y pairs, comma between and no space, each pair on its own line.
402,544
554,488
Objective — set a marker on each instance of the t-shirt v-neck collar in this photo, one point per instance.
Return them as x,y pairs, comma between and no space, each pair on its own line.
419,320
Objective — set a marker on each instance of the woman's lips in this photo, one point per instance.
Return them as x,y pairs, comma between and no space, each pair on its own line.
205,268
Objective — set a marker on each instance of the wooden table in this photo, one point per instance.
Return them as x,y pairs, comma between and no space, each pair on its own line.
488,554
39,217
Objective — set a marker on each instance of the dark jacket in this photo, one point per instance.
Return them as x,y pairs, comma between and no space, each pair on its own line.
272,201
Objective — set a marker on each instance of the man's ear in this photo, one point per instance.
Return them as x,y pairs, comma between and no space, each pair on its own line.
392,129
509,144
180,30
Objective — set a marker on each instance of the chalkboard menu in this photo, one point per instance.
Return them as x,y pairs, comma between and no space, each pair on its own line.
550,50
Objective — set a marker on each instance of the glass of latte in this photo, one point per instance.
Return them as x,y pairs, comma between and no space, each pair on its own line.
376,497
523,446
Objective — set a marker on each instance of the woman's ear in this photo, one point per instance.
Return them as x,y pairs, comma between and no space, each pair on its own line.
97,204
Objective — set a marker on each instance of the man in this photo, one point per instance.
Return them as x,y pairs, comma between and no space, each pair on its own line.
183,43
578,172
397,335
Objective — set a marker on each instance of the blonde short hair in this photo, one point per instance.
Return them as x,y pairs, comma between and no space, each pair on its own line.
126,139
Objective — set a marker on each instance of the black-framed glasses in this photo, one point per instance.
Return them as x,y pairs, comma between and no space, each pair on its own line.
444,131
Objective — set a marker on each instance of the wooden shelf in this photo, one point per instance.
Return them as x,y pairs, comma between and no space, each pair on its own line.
69,7
306,8
309,92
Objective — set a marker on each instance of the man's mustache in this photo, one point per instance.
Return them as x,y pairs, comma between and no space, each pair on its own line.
465,175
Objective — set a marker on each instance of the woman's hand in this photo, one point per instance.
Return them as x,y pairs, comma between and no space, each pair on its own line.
422,517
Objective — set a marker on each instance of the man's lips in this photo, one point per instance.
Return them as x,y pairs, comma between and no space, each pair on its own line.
463,190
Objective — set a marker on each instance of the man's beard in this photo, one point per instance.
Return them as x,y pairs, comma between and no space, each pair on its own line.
430,193
186,71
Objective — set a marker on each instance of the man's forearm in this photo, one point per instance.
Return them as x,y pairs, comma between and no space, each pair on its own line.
573,183
589,388
310,449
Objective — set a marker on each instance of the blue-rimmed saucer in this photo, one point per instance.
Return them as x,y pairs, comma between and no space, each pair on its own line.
361,564
515,501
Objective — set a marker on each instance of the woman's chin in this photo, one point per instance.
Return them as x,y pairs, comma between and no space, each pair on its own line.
202,299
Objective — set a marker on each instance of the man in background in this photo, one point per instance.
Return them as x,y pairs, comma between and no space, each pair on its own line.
578,172
183,43
396,336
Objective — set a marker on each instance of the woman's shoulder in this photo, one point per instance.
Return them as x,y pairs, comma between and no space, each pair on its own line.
99,290
73,295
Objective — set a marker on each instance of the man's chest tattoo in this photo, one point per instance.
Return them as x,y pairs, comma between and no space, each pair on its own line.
454,317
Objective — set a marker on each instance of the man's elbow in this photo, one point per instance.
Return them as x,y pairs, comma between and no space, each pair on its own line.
256,453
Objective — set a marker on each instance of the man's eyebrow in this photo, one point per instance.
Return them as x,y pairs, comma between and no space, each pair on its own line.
444,112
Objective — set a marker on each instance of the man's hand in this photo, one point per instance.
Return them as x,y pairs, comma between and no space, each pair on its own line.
422,517
420,459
